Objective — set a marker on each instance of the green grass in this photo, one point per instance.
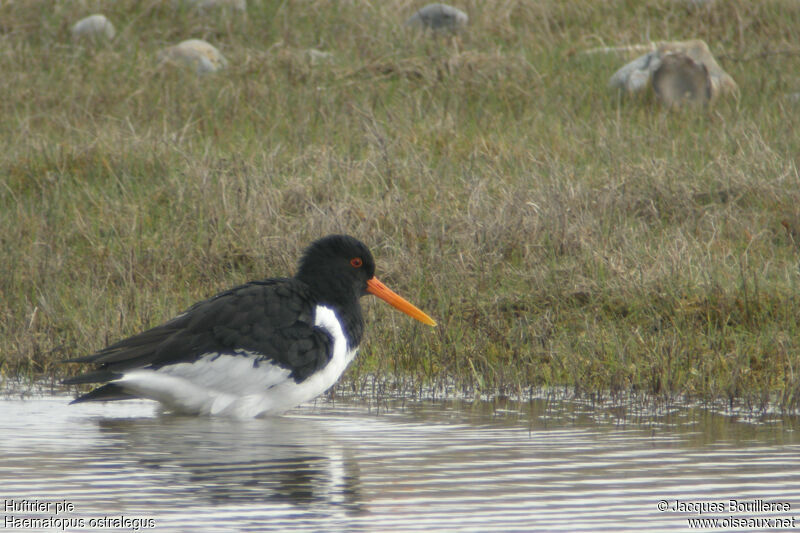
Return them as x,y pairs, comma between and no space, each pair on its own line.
561,235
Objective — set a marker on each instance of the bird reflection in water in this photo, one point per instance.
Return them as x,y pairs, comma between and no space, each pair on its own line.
292,460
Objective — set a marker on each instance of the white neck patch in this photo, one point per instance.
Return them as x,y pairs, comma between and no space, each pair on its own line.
326,319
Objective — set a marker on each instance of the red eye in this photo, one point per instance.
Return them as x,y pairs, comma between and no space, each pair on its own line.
356,262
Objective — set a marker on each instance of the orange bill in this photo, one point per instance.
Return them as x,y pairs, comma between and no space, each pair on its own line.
398,302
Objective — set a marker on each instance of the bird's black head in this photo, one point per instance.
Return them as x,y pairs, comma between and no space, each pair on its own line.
337,268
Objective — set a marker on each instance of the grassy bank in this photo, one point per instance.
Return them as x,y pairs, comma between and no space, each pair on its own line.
559,234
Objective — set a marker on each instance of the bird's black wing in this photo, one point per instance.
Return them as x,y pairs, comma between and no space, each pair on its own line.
271,321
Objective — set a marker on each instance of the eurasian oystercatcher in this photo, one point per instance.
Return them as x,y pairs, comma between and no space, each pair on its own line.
257,349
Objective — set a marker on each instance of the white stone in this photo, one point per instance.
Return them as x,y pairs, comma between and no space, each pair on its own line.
196,54
94,27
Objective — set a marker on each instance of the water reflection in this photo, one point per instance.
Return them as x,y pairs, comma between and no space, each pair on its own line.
354,466
291,460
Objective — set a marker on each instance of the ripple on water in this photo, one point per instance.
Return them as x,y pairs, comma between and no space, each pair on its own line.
428,466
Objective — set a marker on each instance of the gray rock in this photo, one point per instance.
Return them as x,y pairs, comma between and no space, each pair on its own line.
679,79
687,72
635,76
438,17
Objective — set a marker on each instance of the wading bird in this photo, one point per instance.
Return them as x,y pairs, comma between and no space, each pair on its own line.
257,349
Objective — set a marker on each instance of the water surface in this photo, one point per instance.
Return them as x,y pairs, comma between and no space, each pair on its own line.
405,466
